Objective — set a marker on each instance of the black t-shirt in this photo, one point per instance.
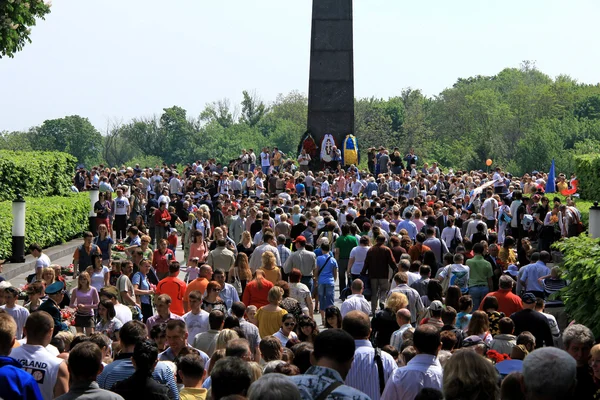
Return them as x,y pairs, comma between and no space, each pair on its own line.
534,322
102,214
397,161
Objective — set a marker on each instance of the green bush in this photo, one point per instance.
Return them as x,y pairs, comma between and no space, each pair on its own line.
35,174
580,268
587,168
48,221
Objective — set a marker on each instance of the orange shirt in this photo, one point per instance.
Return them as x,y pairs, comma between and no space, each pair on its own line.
254,296
508,302
198,284
176,289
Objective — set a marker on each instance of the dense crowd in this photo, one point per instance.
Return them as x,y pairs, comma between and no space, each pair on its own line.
448,287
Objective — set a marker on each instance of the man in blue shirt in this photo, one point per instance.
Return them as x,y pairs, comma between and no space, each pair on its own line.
327,267
407,224
15,383
532,272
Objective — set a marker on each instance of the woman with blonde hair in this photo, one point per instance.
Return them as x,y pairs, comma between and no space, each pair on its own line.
479,325
246,245
85,299
224,337
296,214
272,272
467,375
240,270
384,322
269,316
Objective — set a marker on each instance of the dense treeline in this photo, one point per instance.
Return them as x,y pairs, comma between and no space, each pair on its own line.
521,118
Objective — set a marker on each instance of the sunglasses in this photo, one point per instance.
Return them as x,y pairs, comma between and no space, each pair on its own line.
289,324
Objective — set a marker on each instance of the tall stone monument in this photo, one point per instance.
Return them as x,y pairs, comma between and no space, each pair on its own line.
331,81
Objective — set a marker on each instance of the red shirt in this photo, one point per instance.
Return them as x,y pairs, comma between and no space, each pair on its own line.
254,296
508,302
159,215
160,262
175,288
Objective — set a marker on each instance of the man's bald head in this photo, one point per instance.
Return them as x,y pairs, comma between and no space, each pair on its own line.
206,271
357,286
403,315
357,324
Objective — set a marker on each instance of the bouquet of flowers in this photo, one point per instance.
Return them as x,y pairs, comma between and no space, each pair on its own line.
68,315
496,357
68,270
554,219
118,247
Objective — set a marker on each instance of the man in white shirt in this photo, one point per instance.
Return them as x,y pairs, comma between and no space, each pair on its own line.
489,209
364,373
356,301
269,244
50,372
265,161
122,312
423,371
43,261
197,319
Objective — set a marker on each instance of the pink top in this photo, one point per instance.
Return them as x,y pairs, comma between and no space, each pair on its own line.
89,299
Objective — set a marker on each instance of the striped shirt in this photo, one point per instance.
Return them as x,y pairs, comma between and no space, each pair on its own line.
363,374
122,368
396,338
284,253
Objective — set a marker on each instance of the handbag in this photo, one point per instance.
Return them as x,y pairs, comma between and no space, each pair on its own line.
237,284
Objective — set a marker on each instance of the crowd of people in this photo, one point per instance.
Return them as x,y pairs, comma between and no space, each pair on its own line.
447,287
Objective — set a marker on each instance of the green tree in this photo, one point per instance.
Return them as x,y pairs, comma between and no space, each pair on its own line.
220,112
253,109
72,134
16,19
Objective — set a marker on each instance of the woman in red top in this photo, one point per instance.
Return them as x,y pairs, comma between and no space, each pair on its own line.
257,291
161,259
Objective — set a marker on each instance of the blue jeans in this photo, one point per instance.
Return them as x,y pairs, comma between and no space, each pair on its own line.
265,169
308,281
326,296
477,294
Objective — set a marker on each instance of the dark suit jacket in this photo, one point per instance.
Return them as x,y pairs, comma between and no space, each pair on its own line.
51,308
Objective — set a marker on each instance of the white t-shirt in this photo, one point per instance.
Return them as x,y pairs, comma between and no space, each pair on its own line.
123,313
279,335
459,276
19,314
42,262
196,323
98,278
488,208
264,157
42,365
121,206
359,253
259,182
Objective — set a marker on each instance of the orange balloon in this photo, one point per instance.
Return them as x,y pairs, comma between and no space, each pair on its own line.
488,162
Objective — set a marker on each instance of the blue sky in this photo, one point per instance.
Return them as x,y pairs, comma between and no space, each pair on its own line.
119,59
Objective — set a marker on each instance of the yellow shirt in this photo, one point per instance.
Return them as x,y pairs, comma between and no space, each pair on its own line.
193,394
272,275
269,322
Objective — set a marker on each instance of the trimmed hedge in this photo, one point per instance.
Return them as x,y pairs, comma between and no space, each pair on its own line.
35,174
587,169
48,221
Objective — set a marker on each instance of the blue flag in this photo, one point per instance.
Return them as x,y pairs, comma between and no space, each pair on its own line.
550,185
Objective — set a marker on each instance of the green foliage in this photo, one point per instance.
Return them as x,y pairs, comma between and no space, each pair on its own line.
144,162
587,168
16,18
581,269
253,109
35,174
48,221
73,134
